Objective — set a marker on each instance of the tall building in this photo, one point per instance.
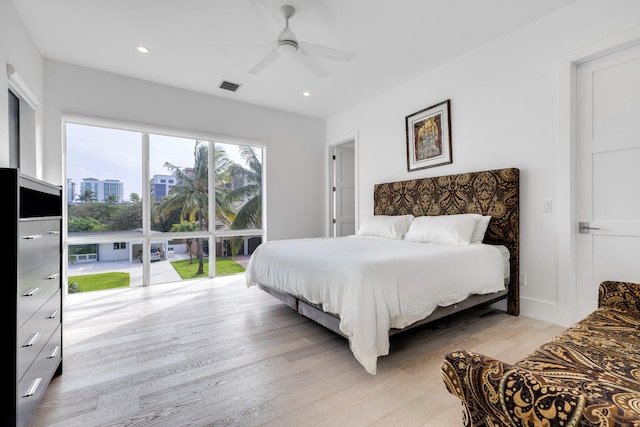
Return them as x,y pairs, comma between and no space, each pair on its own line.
161,184
71,191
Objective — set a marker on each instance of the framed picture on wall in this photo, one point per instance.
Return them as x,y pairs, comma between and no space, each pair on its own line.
429,137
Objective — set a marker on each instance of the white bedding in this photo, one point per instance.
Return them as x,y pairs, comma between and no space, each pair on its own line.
375,284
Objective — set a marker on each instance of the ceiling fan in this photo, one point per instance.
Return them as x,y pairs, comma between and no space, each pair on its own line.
288,44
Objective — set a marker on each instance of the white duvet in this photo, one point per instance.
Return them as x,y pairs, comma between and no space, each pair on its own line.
375,284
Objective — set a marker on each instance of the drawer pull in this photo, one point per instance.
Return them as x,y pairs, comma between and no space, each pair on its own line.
33,387
53,276
31,292
54,353
53,315
32,340
55,232
32,237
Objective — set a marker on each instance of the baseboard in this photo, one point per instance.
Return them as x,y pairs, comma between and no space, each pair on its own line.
543,310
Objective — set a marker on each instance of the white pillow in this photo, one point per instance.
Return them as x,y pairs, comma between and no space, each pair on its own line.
482,224
387,226
442,230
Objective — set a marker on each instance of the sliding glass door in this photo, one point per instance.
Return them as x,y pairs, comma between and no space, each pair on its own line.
139,208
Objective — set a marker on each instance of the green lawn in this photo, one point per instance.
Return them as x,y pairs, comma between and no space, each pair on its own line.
96,282
224,267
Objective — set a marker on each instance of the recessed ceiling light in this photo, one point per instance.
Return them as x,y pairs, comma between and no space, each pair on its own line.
306,93
143,49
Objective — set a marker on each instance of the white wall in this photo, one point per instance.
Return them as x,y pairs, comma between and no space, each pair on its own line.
505,101
295,144
17,49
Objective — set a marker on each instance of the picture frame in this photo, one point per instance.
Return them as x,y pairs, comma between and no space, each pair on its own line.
429,137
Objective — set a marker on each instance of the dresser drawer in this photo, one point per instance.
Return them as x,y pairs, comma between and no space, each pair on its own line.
34,334
35,290
38,242
35,381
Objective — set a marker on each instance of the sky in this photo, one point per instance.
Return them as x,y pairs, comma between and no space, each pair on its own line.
104,153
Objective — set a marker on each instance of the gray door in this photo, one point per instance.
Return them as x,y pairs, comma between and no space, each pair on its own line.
343,191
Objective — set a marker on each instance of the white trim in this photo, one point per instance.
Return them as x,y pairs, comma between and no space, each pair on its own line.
264,194
211,227
240,233
538,309
65,215
21,88
146,210
566,227
159,130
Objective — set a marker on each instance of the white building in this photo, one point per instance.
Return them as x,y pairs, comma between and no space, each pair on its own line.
103,189
71,191
161,184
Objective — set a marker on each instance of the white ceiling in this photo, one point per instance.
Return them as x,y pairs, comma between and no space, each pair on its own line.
195,44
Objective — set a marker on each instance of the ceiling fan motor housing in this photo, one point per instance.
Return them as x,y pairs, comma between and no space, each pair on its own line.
288,11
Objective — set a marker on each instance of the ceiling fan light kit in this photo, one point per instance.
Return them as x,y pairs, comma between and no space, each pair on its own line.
287,47
287,44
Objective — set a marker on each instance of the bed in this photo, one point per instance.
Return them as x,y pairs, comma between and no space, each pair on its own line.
373,285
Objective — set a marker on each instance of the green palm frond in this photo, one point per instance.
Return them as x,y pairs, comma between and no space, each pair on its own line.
249,215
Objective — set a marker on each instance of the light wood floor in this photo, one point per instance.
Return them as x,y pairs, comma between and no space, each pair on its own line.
214,353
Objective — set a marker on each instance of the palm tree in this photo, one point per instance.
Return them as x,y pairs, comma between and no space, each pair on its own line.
250,213
87,195
111,199
191,195
186,226
224,212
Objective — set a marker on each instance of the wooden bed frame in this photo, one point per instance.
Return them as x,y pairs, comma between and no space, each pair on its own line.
493,192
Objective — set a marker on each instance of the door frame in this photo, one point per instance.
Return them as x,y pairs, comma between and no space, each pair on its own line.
331,145
565,194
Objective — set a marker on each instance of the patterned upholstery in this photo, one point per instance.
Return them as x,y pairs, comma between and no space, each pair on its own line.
493,192
587,376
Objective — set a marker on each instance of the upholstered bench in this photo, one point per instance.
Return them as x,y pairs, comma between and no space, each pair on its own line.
587,376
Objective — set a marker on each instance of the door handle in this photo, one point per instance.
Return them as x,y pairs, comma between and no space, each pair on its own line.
583,228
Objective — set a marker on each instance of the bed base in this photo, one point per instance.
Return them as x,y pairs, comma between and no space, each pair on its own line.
332,321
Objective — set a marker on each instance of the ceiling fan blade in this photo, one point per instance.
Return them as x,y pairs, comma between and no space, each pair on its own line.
265,62
325,52
310,65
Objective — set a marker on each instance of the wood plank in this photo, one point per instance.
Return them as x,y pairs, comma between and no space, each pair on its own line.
214,352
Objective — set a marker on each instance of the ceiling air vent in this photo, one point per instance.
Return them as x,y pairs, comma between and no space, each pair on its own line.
229,86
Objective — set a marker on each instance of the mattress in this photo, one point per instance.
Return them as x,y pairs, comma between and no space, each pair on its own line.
375,284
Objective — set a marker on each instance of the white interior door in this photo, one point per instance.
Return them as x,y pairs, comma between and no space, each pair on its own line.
608,173
344,190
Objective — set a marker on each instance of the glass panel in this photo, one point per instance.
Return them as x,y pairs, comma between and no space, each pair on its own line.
233,253
238,187
179,183
100,266
104,180
173,260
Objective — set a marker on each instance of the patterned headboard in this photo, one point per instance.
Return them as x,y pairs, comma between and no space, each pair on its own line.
493,192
